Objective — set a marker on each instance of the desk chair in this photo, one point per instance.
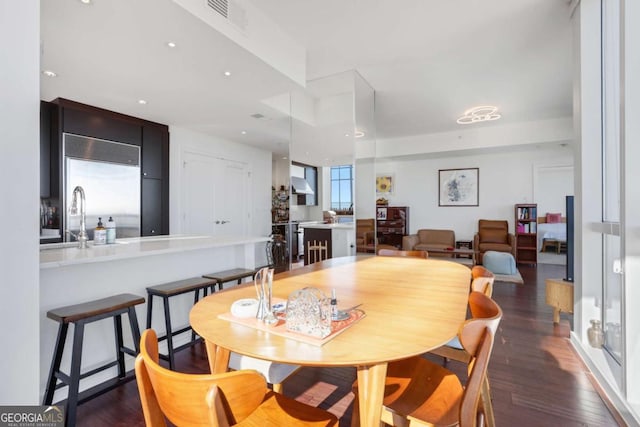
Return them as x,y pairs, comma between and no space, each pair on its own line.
413,385
233,398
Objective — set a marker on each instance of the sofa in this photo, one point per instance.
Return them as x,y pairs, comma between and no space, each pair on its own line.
365,235
429,239
493,235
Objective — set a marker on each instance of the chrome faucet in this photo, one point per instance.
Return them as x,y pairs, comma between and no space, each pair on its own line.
82,235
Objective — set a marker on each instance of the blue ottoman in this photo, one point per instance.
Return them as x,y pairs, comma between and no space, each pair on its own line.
499,262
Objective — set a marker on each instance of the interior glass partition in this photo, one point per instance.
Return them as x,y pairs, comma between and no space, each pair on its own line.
332,118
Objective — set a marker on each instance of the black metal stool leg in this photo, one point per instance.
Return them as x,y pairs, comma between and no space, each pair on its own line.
117,327
149,309
167,321
196,298
55,363
74,374
135,329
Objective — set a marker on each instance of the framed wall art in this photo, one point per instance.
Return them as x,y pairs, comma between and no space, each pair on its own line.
458,187
385,184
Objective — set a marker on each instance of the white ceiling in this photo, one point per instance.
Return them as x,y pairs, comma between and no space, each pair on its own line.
427,60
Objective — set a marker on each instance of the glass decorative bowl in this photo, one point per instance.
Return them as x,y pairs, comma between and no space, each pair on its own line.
309,312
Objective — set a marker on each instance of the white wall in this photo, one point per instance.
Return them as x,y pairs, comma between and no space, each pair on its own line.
504,180
551,185
260,167
20,175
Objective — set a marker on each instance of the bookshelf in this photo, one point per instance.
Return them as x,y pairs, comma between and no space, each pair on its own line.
526,233
392,222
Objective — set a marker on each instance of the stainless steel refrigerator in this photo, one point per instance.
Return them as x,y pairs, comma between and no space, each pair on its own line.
109,173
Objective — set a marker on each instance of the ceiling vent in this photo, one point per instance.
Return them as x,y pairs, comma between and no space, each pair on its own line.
257,116
220,6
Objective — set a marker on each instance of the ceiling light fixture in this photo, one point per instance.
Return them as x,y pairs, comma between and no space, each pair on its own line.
358,134
227,73
483,113
171,44
85,1
142,102
49,73
244,132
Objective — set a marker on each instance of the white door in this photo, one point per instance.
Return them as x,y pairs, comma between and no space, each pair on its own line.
215,196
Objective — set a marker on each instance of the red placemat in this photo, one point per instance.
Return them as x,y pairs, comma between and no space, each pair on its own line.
280,328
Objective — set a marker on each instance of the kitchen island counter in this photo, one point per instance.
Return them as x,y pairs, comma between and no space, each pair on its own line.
339,238
69,275
62,254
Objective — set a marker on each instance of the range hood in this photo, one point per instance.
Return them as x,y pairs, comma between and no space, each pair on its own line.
300,186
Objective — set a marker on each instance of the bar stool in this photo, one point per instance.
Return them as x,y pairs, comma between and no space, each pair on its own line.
225,276
166,291
80,315
317,251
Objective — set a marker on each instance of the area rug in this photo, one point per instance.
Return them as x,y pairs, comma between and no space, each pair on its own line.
511,278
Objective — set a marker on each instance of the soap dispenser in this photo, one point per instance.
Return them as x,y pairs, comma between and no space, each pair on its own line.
111,231
100,234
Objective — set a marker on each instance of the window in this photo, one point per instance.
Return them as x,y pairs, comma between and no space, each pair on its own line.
341,188
612,309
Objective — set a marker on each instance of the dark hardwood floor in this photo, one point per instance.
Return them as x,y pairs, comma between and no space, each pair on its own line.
536,377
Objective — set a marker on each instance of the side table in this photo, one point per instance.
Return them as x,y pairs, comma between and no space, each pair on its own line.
464,244
559,295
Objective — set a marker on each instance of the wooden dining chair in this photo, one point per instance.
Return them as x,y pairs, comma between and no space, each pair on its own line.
317,251
419,392
399,253
482,280
233,398
480,309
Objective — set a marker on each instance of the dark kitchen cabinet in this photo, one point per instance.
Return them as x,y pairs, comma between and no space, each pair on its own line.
81,119
152,215
155,151
311,176
45,149
322,235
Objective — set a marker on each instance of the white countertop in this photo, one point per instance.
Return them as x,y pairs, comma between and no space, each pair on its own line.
60,254
338,226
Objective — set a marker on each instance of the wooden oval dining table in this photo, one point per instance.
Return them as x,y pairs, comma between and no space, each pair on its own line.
411,306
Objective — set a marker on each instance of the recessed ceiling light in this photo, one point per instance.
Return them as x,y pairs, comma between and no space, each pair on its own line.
49,73
347,135
358,134
85,1
483,113
227,73
244,132
142,102
171,44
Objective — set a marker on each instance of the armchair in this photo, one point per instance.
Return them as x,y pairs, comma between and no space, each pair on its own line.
493,235
365,235
430,240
